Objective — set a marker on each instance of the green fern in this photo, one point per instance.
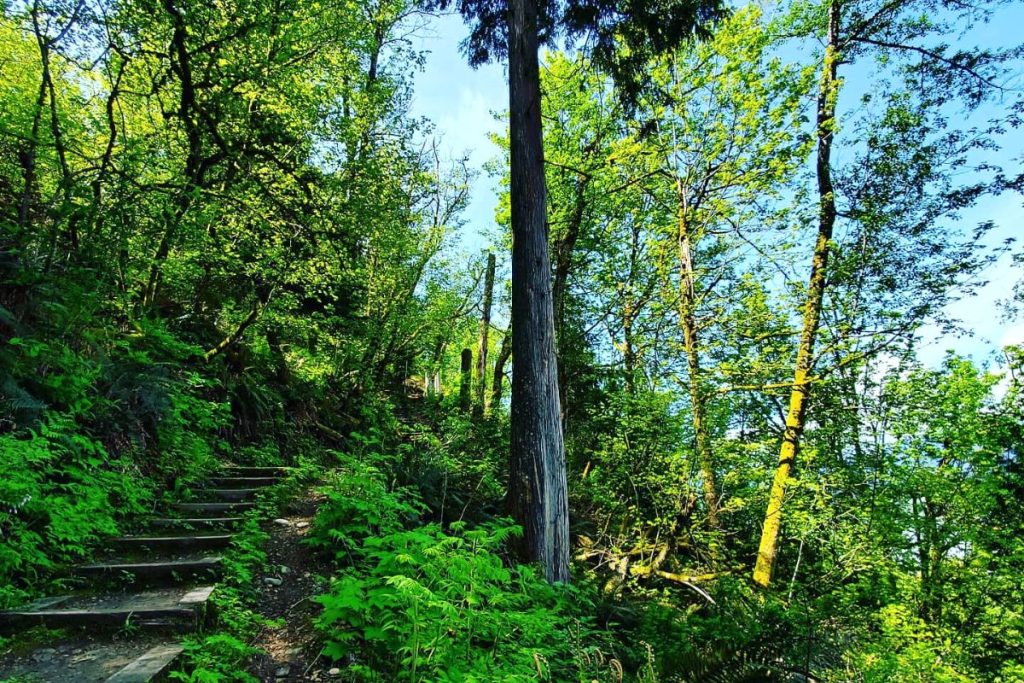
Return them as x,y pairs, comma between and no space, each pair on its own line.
18,406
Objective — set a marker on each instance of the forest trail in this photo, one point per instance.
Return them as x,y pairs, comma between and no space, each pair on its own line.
293,573
125,621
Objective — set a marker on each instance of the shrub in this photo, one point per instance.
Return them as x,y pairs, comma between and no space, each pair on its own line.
431,605
358,504
61,492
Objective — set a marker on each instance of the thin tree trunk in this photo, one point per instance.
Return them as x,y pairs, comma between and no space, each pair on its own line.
163,249
538,496
827,94
564,249
628,346
28,161
931,552
45,43
931,580
466,381
691,340
485,328
434,374
627,292
498,380
182,67
95,213
58,141
363,146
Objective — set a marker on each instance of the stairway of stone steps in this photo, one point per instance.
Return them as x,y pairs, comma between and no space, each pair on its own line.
147,589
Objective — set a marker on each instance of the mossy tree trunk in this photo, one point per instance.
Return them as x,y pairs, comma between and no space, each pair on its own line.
828,91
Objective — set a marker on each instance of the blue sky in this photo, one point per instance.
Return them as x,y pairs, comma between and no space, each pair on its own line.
460,101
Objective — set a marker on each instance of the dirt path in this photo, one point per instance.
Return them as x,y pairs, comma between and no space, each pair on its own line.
292,575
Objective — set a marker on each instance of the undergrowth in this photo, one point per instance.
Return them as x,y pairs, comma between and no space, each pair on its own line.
425,587
414,599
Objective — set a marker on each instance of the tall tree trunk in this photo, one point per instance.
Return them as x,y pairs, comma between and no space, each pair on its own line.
481,352
28,157
628,345
931,572
466,381
96,214
434,373
691,340
363,146
58,143
828,92
538,490
163,250
485,328
498,379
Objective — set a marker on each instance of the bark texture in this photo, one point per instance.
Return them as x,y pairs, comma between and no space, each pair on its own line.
538,497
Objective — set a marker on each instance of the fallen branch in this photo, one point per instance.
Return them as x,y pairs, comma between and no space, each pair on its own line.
686,579
337,436
590,553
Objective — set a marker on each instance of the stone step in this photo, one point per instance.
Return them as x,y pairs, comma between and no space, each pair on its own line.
195,522
209,566
244,471
84,656
178,609
226,494
213,509
175,542
243,482
169,618
154,663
